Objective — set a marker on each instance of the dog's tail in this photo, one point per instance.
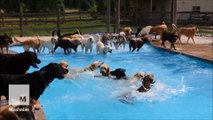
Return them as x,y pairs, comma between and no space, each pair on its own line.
77,31
174,28
53,33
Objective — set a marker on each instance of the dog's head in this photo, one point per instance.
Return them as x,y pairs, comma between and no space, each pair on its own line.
95,65
54,70
33,59
64,64
91,39
140,75
119,73
107,49
8,38
104,70
77,42
148,81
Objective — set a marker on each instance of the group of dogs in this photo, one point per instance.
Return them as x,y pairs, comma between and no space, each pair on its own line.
117,74
14,69
104,42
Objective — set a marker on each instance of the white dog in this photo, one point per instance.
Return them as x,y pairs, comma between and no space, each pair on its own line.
145,31
48,43
87,42
103,49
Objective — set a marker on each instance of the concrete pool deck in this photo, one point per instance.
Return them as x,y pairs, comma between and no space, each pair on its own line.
202,49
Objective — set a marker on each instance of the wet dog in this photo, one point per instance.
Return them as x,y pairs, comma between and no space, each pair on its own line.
18,63
137,43
147,83
91,67
137,76
102,49
87,43
38,80
118,73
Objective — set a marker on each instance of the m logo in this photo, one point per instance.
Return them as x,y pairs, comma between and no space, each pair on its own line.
19,94
22,99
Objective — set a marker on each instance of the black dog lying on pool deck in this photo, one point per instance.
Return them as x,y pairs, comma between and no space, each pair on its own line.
18,63
37,80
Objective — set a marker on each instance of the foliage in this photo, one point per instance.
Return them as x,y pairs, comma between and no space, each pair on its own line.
31,5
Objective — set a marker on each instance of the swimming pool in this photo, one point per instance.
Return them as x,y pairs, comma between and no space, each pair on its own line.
183,88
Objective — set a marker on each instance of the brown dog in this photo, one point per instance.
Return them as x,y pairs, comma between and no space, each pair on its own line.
30,43
93,66
146,83
187,31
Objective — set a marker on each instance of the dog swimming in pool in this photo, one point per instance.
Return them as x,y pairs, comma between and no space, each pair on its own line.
129,97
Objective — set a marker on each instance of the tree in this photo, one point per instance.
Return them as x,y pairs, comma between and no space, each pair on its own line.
30,5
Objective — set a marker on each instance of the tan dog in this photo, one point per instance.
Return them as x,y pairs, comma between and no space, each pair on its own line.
64,64
127,31
104,70
30,43
137,76
102,49
158,29
187,31
92,67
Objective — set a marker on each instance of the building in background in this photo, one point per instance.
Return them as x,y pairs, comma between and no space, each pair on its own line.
154,11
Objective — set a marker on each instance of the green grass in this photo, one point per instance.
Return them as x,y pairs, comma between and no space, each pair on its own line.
41,29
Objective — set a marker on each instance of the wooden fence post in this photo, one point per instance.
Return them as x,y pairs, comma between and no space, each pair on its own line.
21,19
58,17
108,15
117,15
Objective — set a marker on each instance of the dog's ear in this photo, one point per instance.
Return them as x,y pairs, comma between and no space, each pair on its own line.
108,71
92,67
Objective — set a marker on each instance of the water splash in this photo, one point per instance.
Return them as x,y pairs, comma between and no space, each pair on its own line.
159,92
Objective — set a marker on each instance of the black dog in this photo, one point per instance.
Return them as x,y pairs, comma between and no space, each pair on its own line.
37,80
119,73
171,37
137,43
5,40
18,63
67,45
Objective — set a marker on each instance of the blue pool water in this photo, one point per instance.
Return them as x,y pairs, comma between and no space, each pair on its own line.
183,88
